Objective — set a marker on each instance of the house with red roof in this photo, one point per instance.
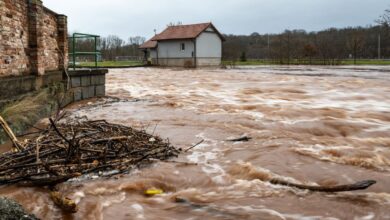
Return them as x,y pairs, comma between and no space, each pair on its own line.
195,45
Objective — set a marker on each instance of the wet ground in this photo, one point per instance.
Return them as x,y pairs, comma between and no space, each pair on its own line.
310,125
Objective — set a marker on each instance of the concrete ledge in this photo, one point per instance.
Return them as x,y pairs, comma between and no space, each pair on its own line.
87,84
87,72
15,86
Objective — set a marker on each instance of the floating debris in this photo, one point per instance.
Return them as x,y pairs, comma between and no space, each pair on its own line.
240,139
74,148
153,192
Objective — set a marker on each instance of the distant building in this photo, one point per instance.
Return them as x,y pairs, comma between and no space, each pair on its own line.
193,45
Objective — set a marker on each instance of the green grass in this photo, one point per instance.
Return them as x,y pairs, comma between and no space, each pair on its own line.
366,62
111,64
306,62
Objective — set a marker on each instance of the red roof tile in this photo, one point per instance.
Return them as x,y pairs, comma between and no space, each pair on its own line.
184,32
148,44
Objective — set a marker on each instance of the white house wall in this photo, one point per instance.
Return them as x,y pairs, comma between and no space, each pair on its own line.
153,56
171,49
208,49
153,53
170,53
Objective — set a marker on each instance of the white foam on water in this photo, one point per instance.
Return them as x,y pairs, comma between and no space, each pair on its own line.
139,211
376,161
116,200
302,217
369,216
77,196
380,198
201,157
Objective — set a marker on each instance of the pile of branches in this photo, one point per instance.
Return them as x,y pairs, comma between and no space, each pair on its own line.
67,150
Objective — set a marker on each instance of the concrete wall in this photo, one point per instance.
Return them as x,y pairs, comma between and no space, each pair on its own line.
153,56
171,49
13,87
208,62
84,84
153,53
33,39
176,62
208,49
87,84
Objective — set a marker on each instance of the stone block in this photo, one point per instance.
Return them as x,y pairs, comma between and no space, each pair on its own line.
85,81
76,81
94,80
102,80
91,91
98,80
100,91
77,94
69,96
85,92
88,92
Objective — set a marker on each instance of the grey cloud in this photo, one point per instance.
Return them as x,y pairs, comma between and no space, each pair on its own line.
129,17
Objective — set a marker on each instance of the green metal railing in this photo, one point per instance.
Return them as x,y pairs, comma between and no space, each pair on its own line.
75,53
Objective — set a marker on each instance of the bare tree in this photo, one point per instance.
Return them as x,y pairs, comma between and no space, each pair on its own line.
172,24
137,40
355,43
310,51
384,19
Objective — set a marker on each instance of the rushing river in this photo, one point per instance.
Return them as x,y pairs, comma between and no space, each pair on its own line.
310,125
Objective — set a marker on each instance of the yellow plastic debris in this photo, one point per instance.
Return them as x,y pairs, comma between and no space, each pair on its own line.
153,192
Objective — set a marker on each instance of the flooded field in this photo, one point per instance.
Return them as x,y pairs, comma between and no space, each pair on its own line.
310,125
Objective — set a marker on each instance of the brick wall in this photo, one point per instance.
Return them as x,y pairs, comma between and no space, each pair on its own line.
33,39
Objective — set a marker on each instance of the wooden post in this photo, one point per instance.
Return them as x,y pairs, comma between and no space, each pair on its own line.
16,146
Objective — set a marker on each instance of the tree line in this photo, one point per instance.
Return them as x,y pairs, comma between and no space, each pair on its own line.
112,48
328,46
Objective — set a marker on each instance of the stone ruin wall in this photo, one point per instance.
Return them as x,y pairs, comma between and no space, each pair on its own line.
33,39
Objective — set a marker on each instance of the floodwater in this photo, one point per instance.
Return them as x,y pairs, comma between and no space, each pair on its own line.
310,125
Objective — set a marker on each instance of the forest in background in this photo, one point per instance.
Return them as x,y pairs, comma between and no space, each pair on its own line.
292,46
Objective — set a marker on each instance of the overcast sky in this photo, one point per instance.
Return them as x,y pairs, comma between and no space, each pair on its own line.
139,18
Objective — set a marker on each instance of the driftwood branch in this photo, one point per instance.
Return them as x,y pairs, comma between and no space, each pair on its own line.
240,139
362,185
16,146
65,151
193,146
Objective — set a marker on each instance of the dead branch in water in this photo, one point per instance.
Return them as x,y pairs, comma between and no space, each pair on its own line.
243,139
362,185
67,150
11,135
193,146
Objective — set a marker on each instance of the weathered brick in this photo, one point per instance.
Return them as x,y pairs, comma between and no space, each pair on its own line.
32,38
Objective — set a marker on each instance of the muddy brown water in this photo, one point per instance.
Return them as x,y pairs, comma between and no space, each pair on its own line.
312,125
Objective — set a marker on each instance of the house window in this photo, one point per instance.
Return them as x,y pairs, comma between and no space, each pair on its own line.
182,47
